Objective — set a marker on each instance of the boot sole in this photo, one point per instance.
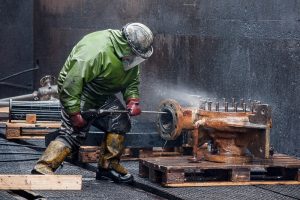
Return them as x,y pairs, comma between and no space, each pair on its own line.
34,172
103,177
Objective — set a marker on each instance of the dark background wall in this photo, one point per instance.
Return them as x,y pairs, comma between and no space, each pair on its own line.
16,50
235,48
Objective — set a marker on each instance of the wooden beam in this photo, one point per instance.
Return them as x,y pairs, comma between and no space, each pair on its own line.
4,109
39,124
40,182
207,184
25,137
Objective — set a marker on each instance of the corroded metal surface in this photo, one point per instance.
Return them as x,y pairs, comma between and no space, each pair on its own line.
233,131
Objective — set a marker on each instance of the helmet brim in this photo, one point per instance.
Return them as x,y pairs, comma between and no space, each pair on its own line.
143,55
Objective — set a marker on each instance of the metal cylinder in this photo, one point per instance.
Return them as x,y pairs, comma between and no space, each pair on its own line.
44,110
20,97
175,120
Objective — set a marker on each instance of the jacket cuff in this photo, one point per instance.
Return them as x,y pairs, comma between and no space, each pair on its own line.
132,99
72,111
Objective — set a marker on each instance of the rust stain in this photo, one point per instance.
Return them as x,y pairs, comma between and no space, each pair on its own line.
231,132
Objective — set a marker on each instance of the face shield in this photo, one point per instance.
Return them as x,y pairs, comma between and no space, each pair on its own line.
131,61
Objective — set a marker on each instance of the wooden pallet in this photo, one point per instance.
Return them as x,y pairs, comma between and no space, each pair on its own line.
90,154
22,130
179,172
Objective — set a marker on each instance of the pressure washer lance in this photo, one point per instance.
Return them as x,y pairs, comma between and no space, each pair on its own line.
92,113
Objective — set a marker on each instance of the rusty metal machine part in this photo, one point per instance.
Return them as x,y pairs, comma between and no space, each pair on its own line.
177,118
238,133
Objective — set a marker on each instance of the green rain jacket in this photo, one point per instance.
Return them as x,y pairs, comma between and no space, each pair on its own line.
94,70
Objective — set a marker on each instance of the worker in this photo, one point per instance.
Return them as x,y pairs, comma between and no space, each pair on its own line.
100,65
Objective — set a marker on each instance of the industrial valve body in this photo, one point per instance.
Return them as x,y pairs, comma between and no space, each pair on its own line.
237,134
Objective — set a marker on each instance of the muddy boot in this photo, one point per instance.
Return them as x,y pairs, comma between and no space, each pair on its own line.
108,165
51,159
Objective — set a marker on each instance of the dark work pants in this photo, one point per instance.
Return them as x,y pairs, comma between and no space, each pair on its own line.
111,123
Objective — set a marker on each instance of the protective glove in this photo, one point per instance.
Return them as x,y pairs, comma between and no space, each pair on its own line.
133,106
77,120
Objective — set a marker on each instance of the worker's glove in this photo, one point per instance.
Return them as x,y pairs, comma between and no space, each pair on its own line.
133,106
77,120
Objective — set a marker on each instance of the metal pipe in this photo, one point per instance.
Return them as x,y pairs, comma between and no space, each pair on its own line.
4,103
18,73
20,97
100,111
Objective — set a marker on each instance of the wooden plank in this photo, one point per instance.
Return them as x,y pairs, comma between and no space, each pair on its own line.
177,163
40,182
4,109
19,124
36,131
25,137
173,177
223,183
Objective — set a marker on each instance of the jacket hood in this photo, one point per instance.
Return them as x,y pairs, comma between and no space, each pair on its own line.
120,44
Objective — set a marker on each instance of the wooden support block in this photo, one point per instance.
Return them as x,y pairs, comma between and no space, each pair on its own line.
143,170
291,173
31,118
229,183
240,174
88,154
155,176
40,182
173,177
12,132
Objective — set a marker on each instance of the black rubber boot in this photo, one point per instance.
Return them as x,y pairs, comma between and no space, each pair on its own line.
111,174
109,166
